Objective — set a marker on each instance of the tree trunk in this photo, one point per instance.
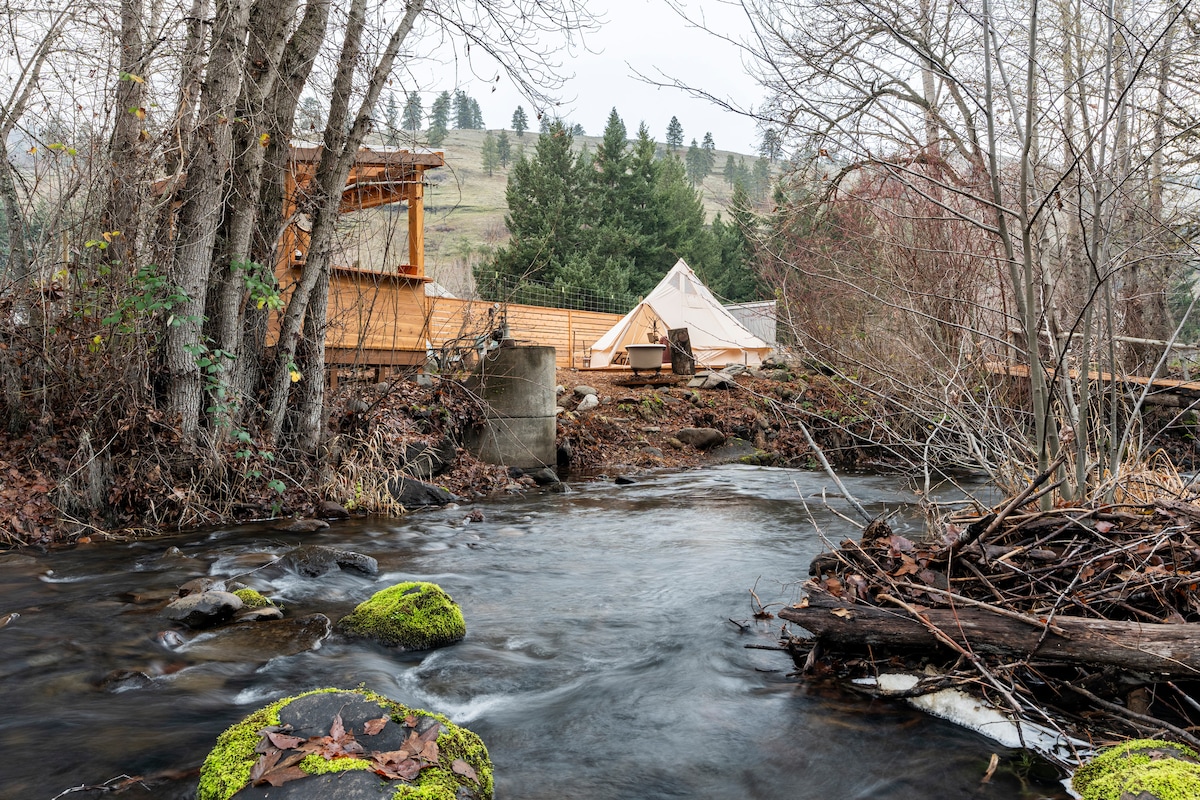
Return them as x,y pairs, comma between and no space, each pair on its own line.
340,150
1172,650
268,25
279,110
200,214
128,164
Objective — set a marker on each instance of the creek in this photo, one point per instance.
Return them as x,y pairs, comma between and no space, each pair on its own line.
600,660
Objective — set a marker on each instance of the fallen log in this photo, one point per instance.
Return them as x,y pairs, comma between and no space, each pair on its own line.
1157,649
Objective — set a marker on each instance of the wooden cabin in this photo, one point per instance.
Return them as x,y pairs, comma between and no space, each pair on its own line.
376,316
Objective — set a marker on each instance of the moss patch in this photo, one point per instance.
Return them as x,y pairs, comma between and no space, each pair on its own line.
252,599
1164,770
227,768
412,615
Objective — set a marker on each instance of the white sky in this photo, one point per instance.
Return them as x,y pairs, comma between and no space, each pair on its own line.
647,37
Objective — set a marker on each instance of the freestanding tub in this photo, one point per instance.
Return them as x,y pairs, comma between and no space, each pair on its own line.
645,357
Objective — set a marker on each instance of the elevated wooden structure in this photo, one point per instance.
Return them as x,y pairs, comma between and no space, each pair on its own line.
382,318
1162,391
376,317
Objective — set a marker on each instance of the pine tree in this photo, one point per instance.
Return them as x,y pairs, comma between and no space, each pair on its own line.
709,151
544,124
411,117
733,277
391,121
551,234
762,177
694,163
771,147
476,116
439,118
520,122
615,234
504,148
577,130
310,116
461,110
730,171
674,135
490,155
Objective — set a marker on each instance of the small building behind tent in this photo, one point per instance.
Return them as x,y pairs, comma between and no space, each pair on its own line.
681,300
758,318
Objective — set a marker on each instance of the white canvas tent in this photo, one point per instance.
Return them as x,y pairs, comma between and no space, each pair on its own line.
681,301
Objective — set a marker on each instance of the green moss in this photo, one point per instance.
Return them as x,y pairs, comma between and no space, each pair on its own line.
1165,770
314,764
252,599
227,768
413,615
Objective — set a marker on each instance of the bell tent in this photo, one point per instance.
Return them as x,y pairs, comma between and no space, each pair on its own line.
681,301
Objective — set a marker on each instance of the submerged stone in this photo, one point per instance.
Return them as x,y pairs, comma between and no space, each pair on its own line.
412,493
260,641
412,615
312,561
460,769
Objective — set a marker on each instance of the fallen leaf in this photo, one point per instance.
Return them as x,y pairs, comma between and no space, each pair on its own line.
844,613
374,726
411,721
1104,527
283,741
460,767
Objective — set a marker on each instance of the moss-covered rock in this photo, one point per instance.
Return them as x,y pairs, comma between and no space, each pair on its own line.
1143,768
251,598
413,615
226,771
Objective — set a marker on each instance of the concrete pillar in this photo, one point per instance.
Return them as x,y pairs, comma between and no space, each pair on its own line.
517,383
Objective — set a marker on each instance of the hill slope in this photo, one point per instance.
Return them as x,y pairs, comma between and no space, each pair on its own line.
465,211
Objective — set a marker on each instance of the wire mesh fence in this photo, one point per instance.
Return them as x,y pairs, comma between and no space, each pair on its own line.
509,289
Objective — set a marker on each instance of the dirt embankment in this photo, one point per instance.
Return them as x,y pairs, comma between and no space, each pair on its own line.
72,483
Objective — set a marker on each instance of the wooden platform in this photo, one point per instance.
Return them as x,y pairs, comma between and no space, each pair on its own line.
650,379
1163,391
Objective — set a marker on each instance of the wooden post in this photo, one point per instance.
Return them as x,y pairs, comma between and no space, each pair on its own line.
416,224
682,360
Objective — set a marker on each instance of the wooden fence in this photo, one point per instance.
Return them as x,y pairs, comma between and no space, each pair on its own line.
570,333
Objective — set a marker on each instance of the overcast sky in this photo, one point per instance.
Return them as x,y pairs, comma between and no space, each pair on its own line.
647,37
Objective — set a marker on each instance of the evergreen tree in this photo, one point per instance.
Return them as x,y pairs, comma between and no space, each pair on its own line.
674,135
733,277
678,229
771,147
490,155
504,148
544,124
762,177
577,130
520,122
708,150
411,117
439,118
310,116
461,110
391,121
551,233
476,116
730,171
615,234
694,163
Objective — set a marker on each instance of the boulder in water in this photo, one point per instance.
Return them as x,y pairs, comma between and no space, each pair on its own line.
455,767
300,525
412,493
312,561
256,642
204,609
414,616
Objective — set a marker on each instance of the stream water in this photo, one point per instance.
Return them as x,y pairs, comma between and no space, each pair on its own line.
600,660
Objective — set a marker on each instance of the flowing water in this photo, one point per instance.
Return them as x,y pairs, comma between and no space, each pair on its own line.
600,660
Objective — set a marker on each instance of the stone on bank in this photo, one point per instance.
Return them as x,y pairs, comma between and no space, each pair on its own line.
414,615
460,769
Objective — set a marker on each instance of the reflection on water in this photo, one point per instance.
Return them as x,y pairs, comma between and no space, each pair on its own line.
600,660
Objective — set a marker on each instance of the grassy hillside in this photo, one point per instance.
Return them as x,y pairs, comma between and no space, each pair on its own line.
465,211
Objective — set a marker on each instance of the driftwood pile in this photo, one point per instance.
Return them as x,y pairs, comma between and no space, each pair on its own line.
1084,618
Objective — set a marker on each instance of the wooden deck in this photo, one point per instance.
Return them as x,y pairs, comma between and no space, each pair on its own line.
1163,391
